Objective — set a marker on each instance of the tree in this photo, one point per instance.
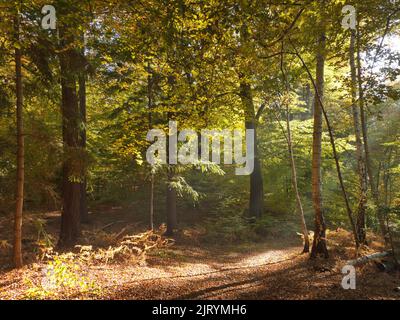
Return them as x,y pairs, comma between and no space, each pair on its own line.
288,137
319,242
256,183
150,116
256,197
82,109
368,161
72,167
21,149
361,167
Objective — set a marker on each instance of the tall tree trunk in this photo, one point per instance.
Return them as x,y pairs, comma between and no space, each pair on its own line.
150,115
70,217
319,102
83,138
373,186
319,242
171,194
361,167
295,185
256,201
20,150
335,154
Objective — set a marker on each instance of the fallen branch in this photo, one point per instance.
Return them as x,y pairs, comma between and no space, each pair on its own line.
368,258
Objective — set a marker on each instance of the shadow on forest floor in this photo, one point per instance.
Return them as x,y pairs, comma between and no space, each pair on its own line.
287,276
185,268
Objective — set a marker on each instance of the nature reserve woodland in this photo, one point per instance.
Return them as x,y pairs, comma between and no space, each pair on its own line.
190,149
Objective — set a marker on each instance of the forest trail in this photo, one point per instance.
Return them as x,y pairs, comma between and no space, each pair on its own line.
270,274
187,268
229,276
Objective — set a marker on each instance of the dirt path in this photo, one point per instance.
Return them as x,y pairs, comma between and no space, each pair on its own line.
189,269
213,277
270,274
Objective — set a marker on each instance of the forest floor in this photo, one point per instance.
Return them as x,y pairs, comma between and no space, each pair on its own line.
118,260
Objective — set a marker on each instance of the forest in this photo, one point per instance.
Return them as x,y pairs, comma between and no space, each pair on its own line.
199,149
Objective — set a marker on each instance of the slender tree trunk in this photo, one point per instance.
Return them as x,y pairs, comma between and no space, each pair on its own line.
319,243
335,154
20,152
373,186
256,201
83,138
295,185
150,106
361,167
171,195
70,218
291,158
151,201
386,179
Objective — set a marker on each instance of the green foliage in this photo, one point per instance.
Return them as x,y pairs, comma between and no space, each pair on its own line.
228,225
61,276
43,237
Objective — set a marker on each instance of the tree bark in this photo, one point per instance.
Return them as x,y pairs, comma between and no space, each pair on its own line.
256,201
83,138
361,167
71,191
150,116
373,186
319,243
171,195
20,149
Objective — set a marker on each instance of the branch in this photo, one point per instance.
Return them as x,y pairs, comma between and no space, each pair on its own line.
279,123
384,35
288,29
368,258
